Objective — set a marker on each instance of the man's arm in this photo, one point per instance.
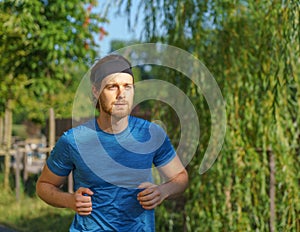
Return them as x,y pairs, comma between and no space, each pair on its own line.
176,182
48,189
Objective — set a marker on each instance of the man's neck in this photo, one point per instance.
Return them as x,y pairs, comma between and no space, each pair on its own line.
111,124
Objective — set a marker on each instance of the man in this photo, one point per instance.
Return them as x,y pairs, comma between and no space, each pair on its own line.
111,157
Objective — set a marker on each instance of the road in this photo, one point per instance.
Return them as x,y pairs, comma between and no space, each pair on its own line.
5,229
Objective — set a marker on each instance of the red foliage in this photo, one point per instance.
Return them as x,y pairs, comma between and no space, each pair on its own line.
102,33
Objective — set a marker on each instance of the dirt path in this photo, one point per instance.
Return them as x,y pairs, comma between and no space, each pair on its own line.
5,229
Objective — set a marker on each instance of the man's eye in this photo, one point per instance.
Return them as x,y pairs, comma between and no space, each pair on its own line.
112,87
128,87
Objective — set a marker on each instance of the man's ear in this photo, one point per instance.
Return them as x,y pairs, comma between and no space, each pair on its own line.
95,91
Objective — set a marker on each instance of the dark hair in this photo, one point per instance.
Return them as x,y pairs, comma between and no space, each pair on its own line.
107,65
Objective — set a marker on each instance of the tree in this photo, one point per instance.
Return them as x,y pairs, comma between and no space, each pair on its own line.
252,48
45,46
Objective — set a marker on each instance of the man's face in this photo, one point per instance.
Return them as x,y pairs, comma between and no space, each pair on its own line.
116,98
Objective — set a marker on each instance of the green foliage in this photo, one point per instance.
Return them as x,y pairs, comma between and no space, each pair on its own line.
32,214
252,49
45,47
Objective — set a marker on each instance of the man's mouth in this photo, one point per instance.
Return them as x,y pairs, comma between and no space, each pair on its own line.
120,103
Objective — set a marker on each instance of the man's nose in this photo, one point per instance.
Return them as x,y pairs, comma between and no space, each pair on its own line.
121,92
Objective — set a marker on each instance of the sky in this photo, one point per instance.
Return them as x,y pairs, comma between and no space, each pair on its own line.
117,29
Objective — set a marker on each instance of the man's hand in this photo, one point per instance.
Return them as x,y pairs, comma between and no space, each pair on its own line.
151,196
177,182
48,189
83,201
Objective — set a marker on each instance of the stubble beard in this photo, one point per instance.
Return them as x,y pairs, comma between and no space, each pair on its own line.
109,109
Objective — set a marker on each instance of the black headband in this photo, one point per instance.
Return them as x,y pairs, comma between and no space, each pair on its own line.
110,67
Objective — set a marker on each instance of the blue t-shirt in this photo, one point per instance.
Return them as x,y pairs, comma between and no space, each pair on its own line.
112,166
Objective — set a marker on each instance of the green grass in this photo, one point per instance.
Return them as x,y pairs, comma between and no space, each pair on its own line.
32,214
19,130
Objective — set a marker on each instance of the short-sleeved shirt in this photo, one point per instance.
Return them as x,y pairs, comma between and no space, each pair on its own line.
112,166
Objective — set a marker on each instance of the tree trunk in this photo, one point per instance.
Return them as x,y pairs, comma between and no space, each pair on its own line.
7,142
17,173
1,131
51,128
272,191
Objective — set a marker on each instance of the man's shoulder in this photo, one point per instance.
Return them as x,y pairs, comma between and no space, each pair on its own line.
137,122
137,119
143,124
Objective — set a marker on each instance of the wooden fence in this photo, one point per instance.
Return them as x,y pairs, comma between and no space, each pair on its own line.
26,161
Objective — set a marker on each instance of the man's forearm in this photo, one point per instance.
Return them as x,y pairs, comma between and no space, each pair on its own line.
153,195
53,195
176,186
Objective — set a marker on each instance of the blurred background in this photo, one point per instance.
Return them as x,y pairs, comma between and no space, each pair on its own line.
250,47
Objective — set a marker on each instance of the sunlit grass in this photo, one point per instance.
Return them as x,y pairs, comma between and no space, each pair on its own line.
32,214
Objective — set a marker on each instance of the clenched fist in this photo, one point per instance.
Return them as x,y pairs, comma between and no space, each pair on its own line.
83,201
